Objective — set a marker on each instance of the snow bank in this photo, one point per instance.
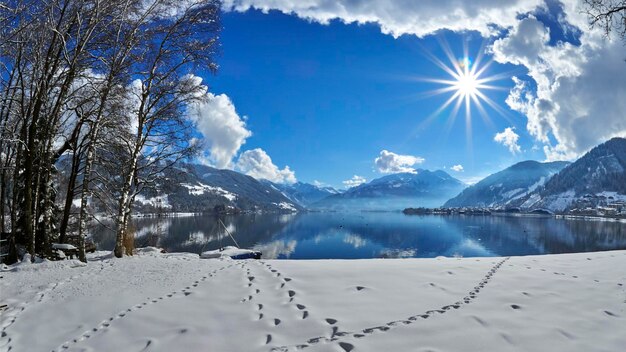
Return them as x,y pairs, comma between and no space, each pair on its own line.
178,302
63,246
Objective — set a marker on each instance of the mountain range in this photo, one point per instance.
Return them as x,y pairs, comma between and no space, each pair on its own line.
596,178
302,193
501,188
395,192
199,188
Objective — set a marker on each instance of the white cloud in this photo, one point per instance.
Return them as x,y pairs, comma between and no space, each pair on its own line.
457,168
223,129
508,138
579,100
354,181
258,164
401,16
392,163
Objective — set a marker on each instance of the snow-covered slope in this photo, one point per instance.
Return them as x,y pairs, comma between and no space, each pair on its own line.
597,178
397,191
179,302
512,183
199,188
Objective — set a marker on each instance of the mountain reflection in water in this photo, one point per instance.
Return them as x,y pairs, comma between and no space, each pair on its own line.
376,235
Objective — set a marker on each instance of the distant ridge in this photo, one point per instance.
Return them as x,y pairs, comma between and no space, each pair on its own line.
198,188
597,178
396,192
501,188
302,193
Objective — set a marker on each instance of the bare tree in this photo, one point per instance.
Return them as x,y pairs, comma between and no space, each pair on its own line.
175,44
77,75
610,15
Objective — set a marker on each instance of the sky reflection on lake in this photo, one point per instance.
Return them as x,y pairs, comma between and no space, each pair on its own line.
377,235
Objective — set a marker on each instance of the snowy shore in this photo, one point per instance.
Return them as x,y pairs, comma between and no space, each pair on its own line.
179,302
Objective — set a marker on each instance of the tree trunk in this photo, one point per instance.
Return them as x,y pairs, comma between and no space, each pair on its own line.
82,218
27,206
69,197
124,206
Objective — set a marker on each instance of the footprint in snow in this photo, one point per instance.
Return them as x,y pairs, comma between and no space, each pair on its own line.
346,346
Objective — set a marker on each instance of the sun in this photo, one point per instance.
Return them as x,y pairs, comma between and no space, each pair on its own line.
467,83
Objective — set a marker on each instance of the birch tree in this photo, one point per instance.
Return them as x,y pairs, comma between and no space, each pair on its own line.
176,41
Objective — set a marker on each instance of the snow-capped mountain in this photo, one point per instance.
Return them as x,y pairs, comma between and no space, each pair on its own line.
423,188
514,182
200,188
597,178
302,193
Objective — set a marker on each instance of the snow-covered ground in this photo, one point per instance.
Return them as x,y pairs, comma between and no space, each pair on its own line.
179,302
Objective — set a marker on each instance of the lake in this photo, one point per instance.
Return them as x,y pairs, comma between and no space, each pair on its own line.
376,235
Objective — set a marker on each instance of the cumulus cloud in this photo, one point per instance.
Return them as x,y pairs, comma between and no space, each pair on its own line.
356,180
457,168
258,164
401,16
508,138
578,98
223,129
392,163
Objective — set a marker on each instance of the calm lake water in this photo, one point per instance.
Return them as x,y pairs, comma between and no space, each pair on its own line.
377,235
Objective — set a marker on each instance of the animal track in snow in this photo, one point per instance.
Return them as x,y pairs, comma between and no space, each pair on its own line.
13,314
337,334
107,323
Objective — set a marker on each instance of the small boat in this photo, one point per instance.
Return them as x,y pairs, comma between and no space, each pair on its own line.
232,252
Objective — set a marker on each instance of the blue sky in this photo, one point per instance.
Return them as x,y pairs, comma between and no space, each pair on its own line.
326,99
